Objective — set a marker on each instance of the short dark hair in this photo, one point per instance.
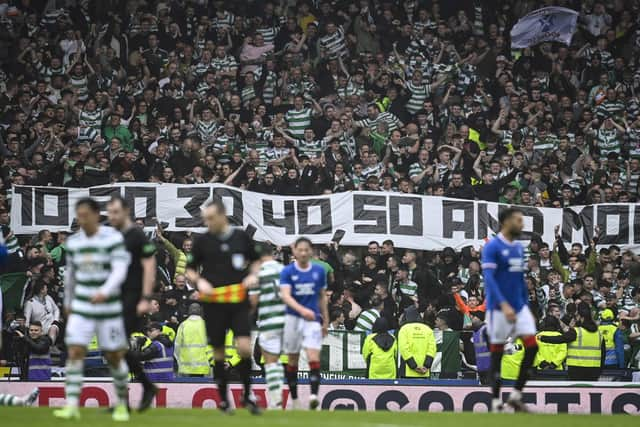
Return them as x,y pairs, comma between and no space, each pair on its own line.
300,240
119,199
90,203
335,313
508,213
36,323
217,203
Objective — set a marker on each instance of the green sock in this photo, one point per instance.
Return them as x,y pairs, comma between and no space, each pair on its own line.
73,381
120,381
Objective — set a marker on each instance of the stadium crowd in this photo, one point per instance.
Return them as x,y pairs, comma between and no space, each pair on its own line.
312,97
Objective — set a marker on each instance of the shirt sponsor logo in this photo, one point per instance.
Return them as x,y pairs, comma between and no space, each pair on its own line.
516,265
305,289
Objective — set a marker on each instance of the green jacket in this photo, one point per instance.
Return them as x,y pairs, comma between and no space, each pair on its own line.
122,133
57,252
178,256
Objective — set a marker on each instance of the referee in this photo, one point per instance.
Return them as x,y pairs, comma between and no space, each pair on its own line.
138,286
221,266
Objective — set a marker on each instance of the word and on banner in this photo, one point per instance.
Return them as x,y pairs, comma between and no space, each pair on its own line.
359,396
355,218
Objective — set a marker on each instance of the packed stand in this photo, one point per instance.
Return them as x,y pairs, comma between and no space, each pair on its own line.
320,97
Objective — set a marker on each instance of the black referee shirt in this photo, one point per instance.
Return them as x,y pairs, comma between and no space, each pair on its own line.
224,258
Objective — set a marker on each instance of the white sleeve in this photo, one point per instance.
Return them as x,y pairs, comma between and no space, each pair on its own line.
69,283
119,267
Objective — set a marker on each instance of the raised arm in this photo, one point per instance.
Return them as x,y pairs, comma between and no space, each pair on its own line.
495,127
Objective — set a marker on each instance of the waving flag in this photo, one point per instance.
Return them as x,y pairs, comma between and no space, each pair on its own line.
553,23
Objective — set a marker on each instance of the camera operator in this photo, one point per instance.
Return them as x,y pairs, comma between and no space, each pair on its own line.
14,350
37,349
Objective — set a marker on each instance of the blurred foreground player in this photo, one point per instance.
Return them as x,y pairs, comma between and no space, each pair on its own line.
138,286
97,263
508,313
220,265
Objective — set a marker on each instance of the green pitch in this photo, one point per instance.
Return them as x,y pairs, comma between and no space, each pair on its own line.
26,417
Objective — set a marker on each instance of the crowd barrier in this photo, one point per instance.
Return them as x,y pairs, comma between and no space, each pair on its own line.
400,395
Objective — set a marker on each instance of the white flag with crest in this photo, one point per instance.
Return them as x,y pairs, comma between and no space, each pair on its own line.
552,23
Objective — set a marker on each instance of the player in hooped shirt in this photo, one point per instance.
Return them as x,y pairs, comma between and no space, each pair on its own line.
508,313
302,289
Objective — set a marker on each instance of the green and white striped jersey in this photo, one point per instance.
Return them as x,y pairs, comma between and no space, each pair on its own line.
91,119
416,169
390,119
409,289
546,143
365,321
608,141
90,260
271,309
312,148
418,95
298,121
8,238
81,84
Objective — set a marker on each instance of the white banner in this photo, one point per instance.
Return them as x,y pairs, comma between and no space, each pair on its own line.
362,396
355,218
556,24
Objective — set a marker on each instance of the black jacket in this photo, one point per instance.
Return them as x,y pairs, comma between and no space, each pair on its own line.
465,191
491,192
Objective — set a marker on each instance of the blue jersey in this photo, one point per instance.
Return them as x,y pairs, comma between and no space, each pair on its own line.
503,269
305,286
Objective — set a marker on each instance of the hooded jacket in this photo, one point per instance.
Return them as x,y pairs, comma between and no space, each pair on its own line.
379,351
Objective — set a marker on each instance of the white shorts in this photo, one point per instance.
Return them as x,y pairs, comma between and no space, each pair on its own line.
300,333
500,329
110,332
271,341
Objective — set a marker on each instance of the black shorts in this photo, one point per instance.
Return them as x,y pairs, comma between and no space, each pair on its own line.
219,318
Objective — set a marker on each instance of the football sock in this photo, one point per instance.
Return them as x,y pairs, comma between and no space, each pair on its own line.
73,381
292,380
496,360
244,369
120,376
220,373
10,400
314,376
527,362
273,376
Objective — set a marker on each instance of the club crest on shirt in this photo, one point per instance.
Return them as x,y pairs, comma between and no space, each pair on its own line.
237,260
294,277
505,252
315,276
